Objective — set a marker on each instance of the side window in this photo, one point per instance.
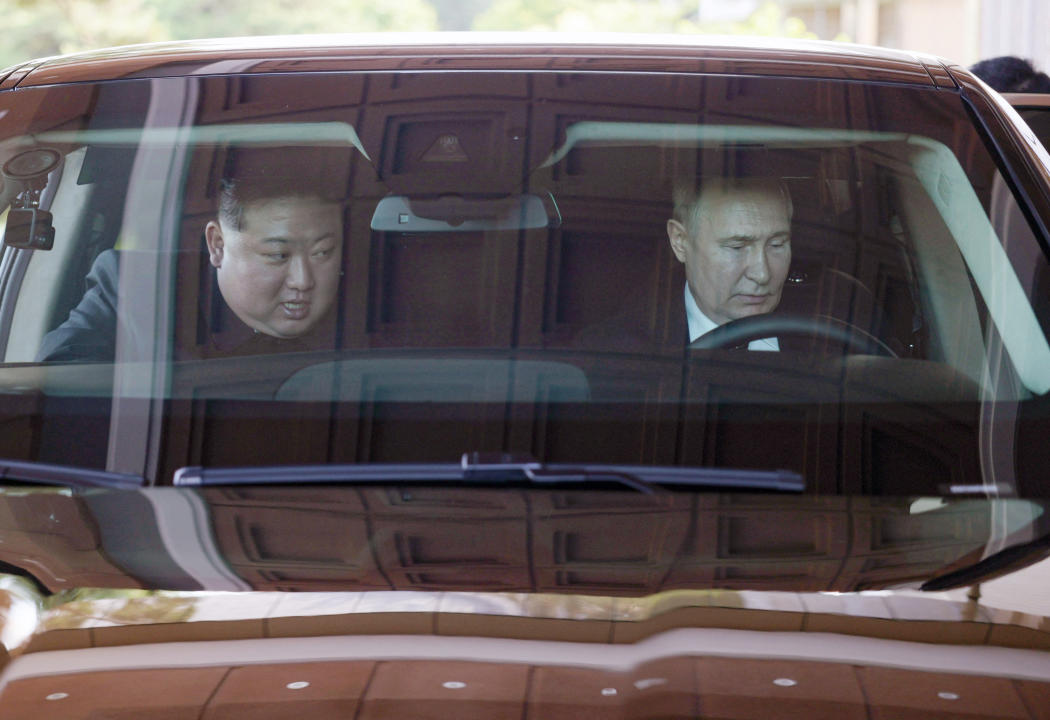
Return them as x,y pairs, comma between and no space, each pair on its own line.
46,302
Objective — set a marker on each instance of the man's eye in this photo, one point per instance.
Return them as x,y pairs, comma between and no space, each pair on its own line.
323,253
279,257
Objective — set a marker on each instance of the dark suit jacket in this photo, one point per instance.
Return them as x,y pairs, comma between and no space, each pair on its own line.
641,330
89,333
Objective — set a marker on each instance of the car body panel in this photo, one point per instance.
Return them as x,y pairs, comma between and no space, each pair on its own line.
473,51
753,654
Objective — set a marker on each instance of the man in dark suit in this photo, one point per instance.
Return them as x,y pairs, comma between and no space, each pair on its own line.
277,254
733,240
733,237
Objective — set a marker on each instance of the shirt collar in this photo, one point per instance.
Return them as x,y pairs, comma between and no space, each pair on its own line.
700,324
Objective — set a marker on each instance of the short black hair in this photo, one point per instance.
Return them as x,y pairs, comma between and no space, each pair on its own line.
1012,74
235,194
253,174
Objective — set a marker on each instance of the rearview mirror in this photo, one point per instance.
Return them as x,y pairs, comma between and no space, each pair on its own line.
454,213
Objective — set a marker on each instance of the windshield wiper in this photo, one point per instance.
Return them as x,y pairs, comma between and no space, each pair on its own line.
34,473
498,469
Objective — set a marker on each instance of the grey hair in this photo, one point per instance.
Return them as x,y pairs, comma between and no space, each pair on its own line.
688,195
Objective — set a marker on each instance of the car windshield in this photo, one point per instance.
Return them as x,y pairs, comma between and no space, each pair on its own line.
602,272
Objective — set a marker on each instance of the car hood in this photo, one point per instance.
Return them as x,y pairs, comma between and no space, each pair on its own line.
694,653
520,603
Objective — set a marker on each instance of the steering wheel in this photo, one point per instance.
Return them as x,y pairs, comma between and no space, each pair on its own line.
755,327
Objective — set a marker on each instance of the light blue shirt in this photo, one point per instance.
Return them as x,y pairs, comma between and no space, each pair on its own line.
700,324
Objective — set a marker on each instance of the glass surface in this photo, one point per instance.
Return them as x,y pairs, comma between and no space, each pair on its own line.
1038,118
414,266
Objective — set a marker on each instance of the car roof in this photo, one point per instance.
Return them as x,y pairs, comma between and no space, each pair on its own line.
505,51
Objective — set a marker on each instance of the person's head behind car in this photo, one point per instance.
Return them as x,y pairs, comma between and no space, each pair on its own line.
734,238
1011,74
277,251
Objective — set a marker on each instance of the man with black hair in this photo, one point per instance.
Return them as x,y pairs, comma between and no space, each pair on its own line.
277,259
277,254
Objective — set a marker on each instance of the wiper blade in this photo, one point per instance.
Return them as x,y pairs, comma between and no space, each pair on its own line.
34,473
482,469
644,478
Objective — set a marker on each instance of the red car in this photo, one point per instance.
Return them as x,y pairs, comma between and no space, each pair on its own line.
489,376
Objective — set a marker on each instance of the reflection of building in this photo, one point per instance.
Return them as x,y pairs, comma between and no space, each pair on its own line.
445,539
961,30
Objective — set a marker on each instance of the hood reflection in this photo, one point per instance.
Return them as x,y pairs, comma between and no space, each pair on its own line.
436,539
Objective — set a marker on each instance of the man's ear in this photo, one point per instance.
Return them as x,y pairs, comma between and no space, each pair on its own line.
213,239
679,238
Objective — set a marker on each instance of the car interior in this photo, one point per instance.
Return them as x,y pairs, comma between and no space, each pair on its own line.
489,243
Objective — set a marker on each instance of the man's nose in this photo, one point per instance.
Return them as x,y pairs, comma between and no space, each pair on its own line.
300,274
757,264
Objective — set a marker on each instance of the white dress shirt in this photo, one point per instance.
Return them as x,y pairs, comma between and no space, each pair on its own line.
700,324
